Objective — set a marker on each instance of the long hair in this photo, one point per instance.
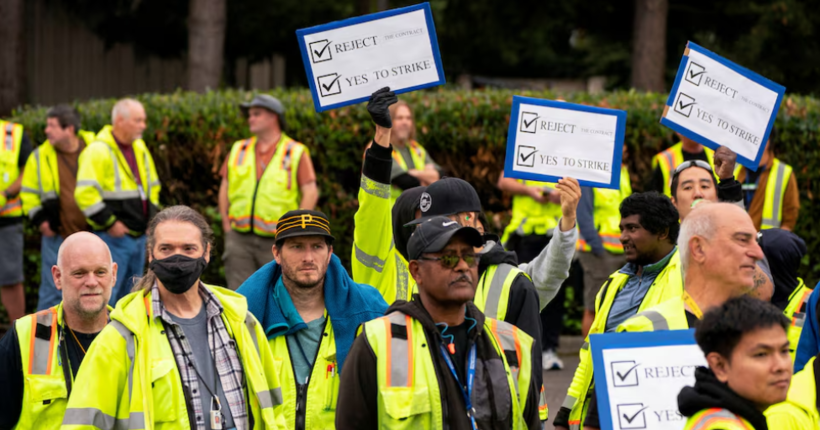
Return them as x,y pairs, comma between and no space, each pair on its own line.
394,107
176,214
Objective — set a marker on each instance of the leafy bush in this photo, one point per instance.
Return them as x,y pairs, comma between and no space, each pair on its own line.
190,134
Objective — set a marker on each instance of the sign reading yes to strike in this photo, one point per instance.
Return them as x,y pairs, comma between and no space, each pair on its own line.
348,60
716,102
638,377
549,140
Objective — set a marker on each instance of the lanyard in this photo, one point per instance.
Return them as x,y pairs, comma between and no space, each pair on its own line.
214,393
692,305
470,380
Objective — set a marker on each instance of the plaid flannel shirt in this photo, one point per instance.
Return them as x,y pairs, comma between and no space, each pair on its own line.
228,365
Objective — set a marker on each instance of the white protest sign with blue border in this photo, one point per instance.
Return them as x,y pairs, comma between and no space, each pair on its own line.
716,102
638,377
549,140
348,60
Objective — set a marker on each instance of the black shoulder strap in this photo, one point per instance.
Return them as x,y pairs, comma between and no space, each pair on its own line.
603,292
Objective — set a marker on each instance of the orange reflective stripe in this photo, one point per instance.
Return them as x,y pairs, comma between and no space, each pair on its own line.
52,342
147,300
803,303
240,155
31,353
517,345
388,357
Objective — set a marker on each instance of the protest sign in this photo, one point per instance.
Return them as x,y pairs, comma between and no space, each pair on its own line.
716,102
348,60
638,377
548,140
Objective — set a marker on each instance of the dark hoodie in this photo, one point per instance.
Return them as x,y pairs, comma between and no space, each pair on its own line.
784,250
357,407
404,211
709,393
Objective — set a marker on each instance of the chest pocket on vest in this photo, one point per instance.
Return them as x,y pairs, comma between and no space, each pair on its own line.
44,392
492,388
166,391
406,407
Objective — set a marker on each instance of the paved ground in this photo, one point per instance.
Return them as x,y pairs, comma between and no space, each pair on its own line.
556,382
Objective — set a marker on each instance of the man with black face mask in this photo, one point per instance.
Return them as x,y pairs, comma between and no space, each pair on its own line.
178,353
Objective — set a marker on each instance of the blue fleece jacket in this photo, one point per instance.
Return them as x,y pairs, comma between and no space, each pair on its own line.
348,304
809,344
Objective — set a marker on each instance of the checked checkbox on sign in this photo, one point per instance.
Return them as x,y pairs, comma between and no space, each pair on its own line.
320,51
624,373
529,122
695,73
683,105
329,85
631,416
526,156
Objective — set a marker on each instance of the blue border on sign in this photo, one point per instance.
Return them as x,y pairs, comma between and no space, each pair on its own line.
752,76
512,132
431,31
625,340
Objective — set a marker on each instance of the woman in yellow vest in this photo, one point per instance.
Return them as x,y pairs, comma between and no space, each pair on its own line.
177,353
412,164
745,344
437,362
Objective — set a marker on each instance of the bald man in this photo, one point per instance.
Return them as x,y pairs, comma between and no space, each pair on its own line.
118,190
34,377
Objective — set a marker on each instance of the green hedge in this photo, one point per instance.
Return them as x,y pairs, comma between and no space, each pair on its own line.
190,134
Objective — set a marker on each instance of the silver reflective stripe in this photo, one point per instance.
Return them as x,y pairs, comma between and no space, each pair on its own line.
569,402
121,195
585,346
658,321
93,209
504,330
39,178
515,371
90,183
49,195
402,279
370,261
129,348
147,175
496,287
42,347
799,320
29,190
116,164
575,427
9,136
98,419
269,399
777,201
399,353
241,156
375,188
706,418
250,322
520,230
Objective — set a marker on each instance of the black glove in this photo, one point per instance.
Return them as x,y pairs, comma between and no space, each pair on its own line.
378,105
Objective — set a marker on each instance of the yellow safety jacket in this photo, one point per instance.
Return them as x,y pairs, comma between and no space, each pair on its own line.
257,205
409,391
418,154
669,315
799,411
12,139
319,411
717,419
607,215
41,183
667,285
669,160
779,176
530,217
796,313
107,190
130,378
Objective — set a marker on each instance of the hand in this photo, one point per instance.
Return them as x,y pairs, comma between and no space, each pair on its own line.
570,191
118,229
378,105
725,163
45,229
537,194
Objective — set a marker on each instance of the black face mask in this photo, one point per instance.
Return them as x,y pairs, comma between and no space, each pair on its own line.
178,273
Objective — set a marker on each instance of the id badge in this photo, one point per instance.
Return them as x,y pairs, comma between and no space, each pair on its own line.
216,420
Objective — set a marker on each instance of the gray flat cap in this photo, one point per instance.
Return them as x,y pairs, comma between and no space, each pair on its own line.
264,101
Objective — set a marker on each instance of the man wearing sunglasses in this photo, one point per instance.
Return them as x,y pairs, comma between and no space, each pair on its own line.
437,361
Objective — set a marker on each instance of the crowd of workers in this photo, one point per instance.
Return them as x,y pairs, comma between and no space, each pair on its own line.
440,323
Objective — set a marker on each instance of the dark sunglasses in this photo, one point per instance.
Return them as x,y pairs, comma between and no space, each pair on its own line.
451,261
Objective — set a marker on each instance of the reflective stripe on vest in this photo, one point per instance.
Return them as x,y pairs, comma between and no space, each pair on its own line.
657,319
796,313
41,358
9,163
775,190
669,160
399,352
507,336
493,300
417,154
708,417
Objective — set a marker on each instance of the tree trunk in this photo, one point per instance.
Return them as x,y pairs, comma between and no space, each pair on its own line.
649,45
206,43
13,60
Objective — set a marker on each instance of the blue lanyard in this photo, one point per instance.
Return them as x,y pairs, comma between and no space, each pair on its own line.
470,380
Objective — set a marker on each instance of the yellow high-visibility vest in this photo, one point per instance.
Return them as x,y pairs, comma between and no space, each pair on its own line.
11,136
669,160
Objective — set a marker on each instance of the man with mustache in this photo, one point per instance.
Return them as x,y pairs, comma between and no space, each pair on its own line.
437,361
747,350
649,229
41,355
310,310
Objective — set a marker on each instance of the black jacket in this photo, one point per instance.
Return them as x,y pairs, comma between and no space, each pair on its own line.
357,407
709,393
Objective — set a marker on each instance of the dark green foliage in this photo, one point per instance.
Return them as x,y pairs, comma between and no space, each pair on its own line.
190,134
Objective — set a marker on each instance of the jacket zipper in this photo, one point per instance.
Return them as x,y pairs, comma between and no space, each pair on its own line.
301,394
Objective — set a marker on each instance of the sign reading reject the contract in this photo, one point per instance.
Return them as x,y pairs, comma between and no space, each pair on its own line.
348,60
549,140
716,102
638,377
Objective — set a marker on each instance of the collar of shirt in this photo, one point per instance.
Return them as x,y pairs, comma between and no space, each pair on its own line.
631,269
292,317
212,305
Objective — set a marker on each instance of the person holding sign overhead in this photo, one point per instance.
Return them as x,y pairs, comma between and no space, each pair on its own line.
744,341
263,177
770,194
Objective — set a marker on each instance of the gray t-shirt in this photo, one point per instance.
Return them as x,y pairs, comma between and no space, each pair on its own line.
196,330
305,341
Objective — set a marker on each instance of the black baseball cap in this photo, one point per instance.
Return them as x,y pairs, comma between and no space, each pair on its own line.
435,233
303,222
447,196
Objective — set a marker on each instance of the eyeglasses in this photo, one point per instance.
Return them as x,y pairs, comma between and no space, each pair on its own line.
687,164
451,261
